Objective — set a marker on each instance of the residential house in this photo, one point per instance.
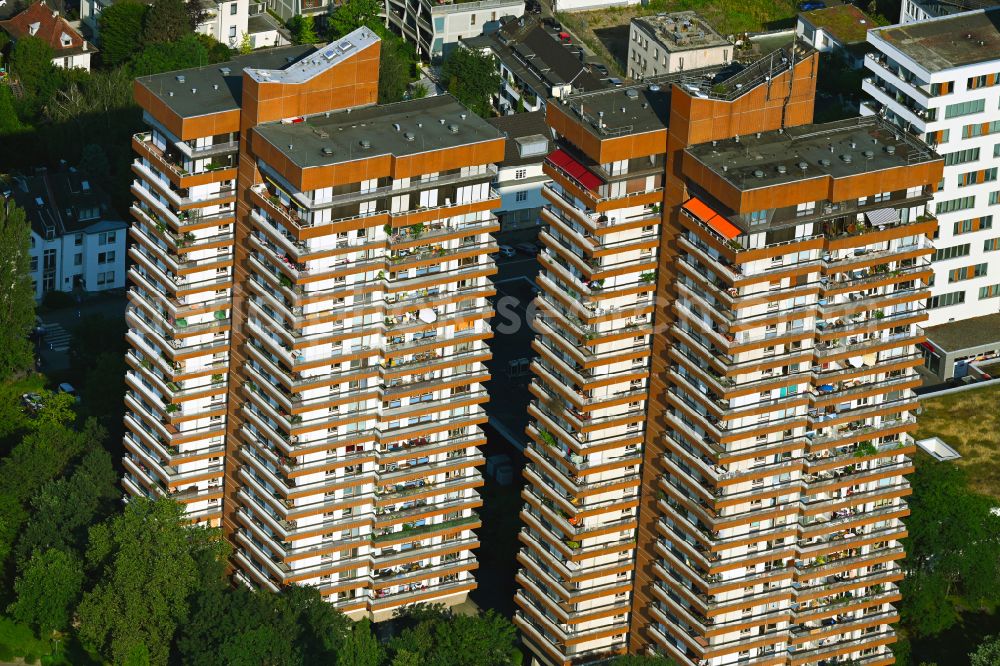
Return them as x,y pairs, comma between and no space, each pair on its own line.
519,177
840,30
674,42
39,20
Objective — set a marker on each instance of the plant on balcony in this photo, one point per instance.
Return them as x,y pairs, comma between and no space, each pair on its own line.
596,285
547,437
655,208
217,379
417,229
648,276
172,408
734,245
180,322
285,281
184,240
865,449
296,418
573,544
878,314
161,227
219,315
380,275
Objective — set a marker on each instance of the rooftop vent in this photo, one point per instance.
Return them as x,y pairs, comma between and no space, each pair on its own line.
782,168
327,150
891,150
453,128
194,91
215,86
395,126
464,116
632,93
365,144
868,154
408,136
654,88
853,145
757,173
225,71
846,157
803,165
180,78
441,121
170,93
824,162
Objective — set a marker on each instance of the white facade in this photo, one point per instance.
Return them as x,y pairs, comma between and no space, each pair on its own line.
226,22
955,109
673,43
582,5
93,259
520,189
435,29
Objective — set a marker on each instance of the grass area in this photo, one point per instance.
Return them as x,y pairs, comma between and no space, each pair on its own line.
969,422
597,29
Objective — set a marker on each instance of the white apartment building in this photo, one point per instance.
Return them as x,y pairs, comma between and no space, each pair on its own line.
223,20
435,27
940,79
673,42
913,11
520,177
77,240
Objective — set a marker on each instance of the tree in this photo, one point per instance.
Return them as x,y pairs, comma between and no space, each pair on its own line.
48,590
472,78
642,660
360,647
188,51
17,295
31,61
437,637
246,44
9,121
121,31
149,562
65,508
196,13
397,65
303,29
351,15
988,652
166,22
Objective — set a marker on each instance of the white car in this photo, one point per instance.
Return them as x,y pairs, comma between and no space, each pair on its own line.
507,251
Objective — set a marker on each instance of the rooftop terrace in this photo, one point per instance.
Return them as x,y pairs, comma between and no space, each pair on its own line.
404,128
950,41
847,23
838,149
681,31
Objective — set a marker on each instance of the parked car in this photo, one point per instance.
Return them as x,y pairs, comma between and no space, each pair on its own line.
32,402
68,388
550,22
599,68
507,251
528,248
615,81
810,5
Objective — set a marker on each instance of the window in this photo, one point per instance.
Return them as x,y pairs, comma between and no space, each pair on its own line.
980,129
807,208
520,173
757,217
976,177
946,300
975,224
78,259
962,203
992,291
232,32
966,273
106,257
472,20
964,108
105,238
994,198
991,244
951,252
234,8
982,81
521,196
78,239
961,156
34,264
106,278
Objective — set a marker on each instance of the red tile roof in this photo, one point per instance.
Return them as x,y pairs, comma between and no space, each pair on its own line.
51,28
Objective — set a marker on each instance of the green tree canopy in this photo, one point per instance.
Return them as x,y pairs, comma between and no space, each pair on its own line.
48,590
10,123
31,61
397,65
360,647
121,26
439,638
166,22
472,78
351,15
303,29
987,654
17,295
642,660
188,51
149,562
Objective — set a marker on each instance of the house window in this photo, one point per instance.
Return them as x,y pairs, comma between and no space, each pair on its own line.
992,291
106,278
78,240
472,19
232,32
106,257
105,238
964,108
520,173
234,9
34,264
78,259
521,196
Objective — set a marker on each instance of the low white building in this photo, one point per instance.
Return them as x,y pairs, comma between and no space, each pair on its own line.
839,30
520,178
70,49
77,240
912,11
940,79
674,42
435,28
225,21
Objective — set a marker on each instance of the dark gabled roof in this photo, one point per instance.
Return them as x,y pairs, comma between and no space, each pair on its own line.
526,127
55,202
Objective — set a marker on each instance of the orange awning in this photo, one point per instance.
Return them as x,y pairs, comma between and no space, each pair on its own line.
700,210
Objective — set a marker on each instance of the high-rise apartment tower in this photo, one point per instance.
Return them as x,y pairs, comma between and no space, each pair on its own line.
729,312
308,321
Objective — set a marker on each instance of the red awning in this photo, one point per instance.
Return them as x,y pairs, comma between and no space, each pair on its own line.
579,172
701,211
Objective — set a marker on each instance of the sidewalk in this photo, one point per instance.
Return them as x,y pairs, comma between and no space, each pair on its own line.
110,305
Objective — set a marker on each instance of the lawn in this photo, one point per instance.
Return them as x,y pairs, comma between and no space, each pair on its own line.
969,422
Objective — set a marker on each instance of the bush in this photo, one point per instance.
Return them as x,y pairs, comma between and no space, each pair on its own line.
58,300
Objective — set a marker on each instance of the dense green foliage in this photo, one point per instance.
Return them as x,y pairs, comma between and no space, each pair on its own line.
303,30
165,22
121,26
353,14
48,590
953,550
472,78
987,654
17,296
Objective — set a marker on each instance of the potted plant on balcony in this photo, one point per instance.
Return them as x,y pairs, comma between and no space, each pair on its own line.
648,276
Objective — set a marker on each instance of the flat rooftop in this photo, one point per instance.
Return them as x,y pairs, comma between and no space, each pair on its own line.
400,129
313,64
966,334
839,149
528,137
962,39
216,88
847,23
681,31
